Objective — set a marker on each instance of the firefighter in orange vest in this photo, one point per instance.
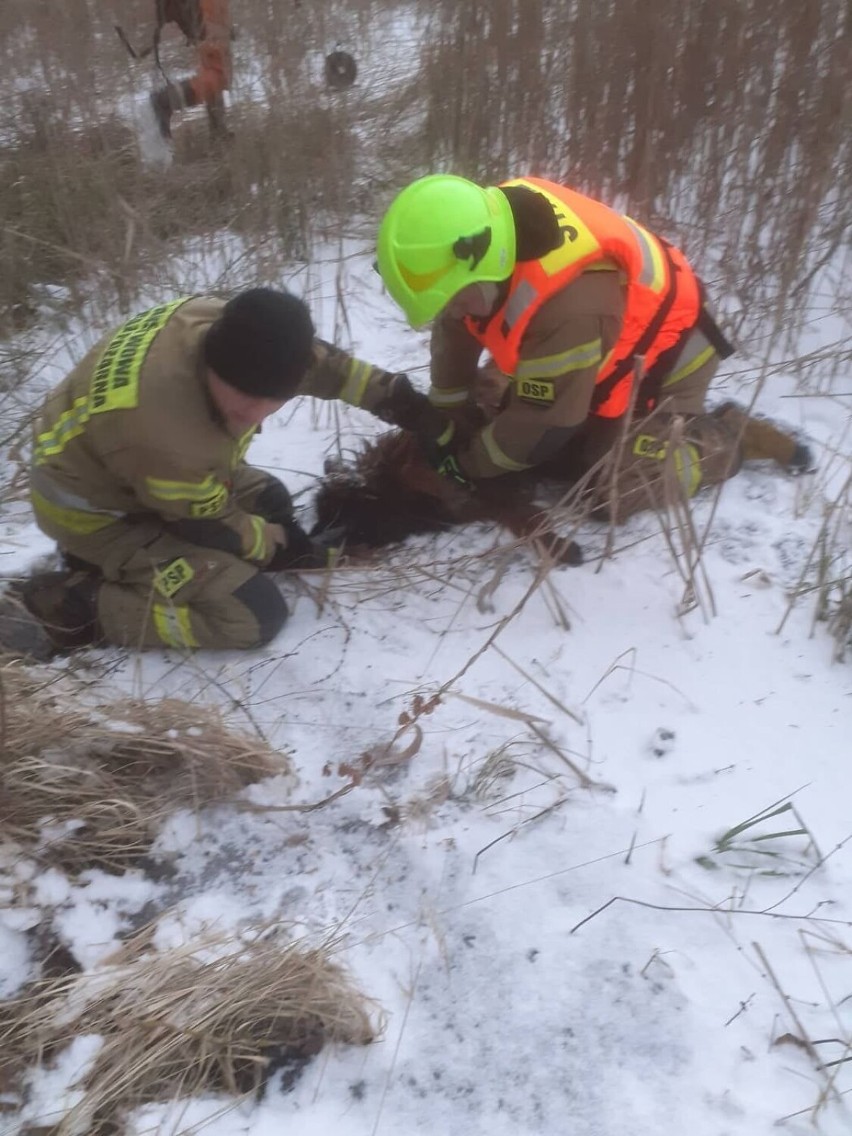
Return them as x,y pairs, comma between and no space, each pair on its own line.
587,316
207,25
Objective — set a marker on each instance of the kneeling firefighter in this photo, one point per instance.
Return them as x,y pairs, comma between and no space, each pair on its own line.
139,475
588,317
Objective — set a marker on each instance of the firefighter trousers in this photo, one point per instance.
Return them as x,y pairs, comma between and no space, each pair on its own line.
161,591
657,459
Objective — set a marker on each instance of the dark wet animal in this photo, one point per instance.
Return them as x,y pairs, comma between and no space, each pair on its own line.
390,492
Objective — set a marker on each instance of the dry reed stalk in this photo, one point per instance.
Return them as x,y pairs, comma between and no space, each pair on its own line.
86,788
212,1017
678,526
827,564
615,460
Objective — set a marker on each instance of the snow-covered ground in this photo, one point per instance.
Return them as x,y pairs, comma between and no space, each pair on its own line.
592,742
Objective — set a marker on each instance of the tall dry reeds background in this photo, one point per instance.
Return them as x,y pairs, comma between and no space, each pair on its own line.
725,123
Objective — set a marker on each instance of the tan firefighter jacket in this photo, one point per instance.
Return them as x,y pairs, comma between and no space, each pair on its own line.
550,394
132,430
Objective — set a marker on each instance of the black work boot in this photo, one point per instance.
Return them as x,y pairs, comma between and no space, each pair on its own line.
65,603
761,439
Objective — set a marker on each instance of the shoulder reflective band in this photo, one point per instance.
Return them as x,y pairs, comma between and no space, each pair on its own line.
550,366
115,380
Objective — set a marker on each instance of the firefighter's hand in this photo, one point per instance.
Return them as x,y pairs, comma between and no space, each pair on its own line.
449,468
407,408
303,553
467,417
441,454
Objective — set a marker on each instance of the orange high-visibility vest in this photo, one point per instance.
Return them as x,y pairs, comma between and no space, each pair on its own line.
663,294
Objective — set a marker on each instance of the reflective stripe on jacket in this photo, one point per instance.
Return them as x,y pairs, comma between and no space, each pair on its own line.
662,300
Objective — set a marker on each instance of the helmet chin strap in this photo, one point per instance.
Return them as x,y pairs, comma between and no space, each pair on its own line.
475,247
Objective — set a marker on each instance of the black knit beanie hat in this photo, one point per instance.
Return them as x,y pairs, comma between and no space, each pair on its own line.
262,343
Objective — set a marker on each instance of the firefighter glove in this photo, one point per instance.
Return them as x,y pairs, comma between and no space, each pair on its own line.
448,466
304,552
409,409
441,455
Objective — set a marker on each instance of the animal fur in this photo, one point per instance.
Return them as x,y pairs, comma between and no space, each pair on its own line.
391,492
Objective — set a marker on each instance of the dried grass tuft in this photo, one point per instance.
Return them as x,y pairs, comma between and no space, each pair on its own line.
213,1018
90,788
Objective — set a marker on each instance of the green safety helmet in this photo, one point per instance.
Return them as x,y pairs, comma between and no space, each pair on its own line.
440,234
